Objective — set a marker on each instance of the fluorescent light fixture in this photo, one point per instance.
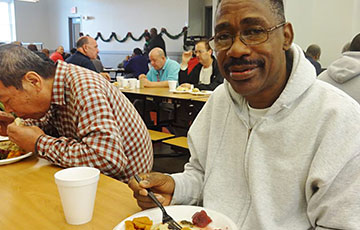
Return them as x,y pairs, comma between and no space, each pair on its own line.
28,0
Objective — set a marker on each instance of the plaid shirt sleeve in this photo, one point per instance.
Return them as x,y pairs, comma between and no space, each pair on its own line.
98,127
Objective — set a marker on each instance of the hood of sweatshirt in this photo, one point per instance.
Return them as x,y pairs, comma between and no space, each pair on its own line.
345,68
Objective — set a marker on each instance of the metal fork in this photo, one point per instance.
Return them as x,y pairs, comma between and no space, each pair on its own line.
166,219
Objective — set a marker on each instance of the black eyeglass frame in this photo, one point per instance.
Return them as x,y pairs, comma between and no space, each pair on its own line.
212,45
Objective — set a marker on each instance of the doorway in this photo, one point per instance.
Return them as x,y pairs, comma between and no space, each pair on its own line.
74,30
208,21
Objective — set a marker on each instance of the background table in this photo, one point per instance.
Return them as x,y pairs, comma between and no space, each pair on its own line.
30,200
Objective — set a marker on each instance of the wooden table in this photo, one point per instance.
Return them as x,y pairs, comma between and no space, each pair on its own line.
30,200
191,104
161,92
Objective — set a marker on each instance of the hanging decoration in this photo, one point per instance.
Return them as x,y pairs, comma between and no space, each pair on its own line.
130,35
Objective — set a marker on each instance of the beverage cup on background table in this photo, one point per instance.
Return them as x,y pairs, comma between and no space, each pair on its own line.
77,188
125,83
138,84
172,85
119,80
132,83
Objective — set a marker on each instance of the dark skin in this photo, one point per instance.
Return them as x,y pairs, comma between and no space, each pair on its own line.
257,72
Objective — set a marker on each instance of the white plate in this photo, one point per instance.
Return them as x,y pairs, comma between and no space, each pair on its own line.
2,138
176,91
14,159
203,92
183,212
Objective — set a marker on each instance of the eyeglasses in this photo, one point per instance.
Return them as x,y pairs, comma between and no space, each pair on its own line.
254,35
199,51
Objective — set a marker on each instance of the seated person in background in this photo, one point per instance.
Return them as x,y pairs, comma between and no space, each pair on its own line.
205,75
73,117
136,64
273,148
163,69
46,52
87,49
32,47
344,73
72,51
58,54
313,53
98,64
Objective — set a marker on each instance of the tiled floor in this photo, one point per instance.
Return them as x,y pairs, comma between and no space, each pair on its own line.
171,164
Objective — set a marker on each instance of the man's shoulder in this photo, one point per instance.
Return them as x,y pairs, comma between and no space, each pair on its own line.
172,63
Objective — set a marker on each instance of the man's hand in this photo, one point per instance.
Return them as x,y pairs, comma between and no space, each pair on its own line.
5,120
24,136
162,185
143,78
186,56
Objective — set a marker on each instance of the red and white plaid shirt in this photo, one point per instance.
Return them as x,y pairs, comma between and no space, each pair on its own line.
91,123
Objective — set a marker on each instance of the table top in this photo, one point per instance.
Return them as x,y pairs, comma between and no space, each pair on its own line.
30,200
164,92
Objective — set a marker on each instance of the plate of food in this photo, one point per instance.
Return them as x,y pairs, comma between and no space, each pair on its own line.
196,91
2,138
181,89
10,153
192,217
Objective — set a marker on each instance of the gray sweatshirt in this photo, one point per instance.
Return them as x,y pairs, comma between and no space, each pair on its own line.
297,168
344,73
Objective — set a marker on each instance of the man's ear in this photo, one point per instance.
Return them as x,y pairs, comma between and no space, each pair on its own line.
288,36
32,80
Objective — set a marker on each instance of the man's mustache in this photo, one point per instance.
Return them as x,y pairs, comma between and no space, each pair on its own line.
243,61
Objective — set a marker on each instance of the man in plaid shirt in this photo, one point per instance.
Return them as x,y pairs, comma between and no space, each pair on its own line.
74,117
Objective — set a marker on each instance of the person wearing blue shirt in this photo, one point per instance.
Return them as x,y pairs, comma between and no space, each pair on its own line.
136,64
163,70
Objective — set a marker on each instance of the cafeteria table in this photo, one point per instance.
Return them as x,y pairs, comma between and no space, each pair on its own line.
30,200
191,104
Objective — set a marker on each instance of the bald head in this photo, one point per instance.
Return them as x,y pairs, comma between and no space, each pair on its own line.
157,58
87,46
60,50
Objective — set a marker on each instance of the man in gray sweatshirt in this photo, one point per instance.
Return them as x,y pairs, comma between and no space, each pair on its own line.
273,148
344,73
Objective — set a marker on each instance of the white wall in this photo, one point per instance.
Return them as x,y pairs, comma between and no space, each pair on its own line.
47,22
328,23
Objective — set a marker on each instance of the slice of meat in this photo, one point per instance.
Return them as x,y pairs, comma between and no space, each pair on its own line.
201,219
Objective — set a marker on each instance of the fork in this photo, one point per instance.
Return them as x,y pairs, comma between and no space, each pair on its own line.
166,218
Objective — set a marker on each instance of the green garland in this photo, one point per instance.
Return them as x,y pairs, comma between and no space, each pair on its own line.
130,35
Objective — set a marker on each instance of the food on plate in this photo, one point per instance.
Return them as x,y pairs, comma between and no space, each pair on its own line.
195,90
18,121
181,89
116,84
9,149
139,223
200,221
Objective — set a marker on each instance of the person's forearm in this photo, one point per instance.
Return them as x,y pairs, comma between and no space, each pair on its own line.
157,84
68,152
